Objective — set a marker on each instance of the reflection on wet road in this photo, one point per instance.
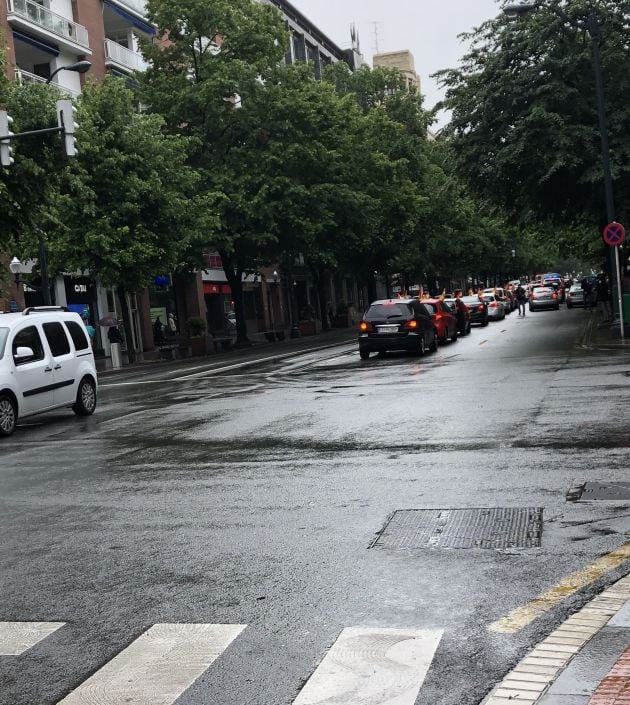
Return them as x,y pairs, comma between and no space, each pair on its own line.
248,495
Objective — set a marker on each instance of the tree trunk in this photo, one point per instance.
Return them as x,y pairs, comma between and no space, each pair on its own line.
319,277
234,275
126,314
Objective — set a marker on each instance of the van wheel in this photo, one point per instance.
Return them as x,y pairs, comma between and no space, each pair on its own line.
434,345
8,415
454,337
423,346
364,354
86,398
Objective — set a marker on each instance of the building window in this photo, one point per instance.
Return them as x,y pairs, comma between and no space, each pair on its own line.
213,262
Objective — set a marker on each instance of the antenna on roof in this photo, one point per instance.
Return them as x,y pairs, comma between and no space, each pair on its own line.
377,26
354,35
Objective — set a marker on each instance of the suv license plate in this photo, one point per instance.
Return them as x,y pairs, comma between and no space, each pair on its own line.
387,329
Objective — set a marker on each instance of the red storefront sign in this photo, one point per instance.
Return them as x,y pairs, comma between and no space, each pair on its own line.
210,288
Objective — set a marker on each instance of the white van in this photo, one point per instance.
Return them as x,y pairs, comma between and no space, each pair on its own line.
46,362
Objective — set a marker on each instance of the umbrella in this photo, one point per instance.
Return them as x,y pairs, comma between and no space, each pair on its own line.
109,322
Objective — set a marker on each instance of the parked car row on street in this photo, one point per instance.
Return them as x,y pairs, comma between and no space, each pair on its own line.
421,325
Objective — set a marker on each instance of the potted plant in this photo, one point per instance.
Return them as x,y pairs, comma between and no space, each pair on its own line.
196,328
308,321
340,320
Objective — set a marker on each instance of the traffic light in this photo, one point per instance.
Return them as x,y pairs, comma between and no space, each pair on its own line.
65,119
6,149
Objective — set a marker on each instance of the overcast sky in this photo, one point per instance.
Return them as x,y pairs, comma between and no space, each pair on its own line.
429,28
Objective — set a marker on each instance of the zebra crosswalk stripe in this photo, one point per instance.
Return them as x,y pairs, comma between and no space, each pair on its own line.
157,667
373,667
18,637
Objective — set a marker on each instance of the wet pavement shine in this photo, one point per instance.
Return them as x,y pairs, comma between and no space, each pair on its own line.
252,496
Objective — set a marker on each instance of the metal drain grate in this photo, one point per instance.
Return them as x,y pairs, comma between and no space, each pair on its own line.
602,491
462,528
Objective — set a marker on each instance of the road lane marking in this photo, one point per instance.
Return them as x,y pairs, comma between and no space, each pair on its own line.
18,637
523,616
157,667
375,666
210,371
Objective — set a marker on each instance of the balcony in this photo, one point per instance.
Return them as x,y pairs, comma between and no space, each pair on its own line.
34,17
23,76
139,7
122,58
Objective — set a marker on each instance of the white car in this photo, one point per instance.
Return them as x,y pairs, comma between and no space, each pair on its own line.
46,362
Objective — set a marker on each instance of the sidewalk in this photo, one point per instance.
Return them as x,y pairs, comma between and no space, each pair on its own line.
334,337
585,661
597,335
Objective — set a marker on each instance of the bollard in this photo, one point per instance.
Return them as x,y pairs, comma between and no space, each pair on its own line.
116,356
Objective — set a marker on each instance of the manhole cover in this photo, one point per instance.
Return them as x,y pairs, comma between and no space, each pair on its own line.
462,528
606,491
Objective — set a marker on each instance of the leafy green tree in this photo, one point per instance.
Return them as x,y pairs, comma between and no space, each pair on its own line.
131,209
524,121
208,82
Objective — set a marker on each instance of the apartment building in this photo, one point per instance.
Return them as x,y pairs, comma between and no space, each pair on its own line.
401,60
42,35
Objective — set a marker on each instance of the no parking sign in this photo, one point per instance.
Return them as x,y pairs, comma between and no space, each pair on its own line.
614,234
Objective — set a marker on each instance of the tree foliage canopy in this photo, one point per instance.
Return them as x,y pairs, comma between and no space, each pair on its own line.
524,111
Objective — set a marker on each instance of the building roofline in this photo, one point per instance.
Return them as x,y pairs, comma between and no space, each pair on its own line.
314,31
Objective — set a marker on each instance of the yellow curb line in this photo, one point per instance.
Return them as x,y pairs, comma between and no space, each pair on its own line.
539,669
522,616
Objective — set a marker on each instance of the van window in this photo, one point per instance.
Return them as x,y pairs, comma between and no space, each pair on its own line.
77,333
28,338
4,334
57,339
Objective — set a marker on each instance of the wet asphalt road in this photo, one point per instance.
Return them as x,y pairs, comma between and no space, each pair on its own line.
250,496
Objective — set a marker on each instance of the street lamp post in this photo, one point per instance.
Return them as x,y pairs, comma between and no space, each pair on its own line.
78,67
592,26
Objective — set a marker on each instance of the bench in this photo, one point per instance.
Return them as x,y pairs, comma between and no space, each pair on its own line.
173,347
222,340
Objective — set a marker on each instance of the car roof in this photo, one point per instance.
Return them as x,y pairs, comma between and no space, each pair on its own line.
382,302
10,320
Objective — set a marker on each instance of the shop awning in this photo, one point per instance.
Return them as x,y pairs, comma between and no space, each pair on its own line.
139,24
37,43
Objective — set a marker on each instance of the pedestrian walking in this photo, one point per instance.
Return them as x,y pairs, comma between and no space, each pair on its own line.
113,335
587,288
521,298
158,331
603,298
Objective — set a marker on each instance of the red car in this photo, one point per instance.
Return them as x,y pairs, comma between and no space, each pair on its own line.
443,318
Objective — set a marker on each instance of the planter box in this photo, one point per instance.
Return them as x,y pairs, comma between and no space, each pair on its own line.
198,347
309,327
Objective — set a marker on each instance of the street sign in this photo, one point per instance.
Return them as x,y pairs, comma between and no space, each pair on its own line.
614,234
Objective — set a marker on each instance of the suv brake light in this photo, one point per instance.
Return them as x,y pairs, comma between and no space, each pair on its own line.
365,327
411,325
480,307
494,304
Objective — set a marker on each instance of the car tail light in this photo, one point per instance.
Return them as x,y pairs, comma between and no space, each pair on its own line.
438,316
554,296
480,307
534,296
494,304
365,327
411,325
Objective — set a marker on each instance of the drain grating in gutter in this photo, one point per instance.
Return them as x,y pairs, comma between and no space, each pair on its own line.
462,528
602,491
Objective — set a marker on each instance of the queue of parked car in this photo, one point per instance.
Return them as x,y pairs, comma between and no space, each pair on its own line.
419,325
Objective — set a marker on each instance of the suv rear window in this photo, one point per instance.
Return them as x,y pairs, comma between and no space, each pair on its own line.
387,311
57,339
77,333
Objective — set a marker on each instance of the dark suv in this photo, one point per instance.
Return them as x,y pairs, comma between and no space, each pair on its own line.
397,324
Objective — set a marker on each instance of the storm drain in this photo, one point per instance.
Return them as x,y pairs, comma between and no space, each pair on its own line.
602,491
462,528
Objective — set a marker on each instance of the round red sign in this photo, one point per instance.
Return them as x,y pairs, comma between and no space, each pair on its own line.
614,234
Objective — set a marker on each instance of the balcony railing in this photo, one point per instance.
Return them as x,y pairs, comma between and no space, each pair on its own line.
23,76
122,56
51,21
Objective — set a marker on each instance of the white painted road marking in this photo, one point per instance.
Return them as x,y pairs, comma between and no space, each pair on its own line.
373,667
157,667
18,637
